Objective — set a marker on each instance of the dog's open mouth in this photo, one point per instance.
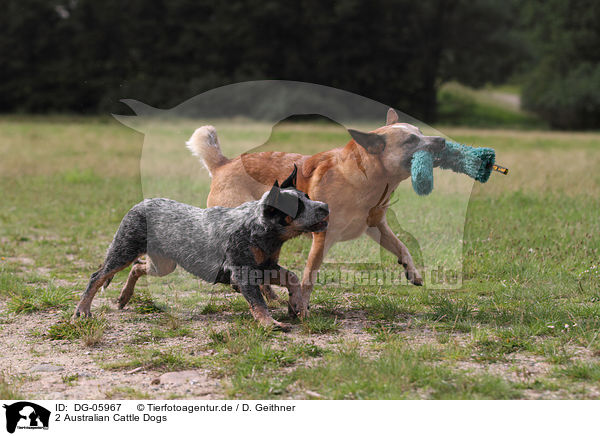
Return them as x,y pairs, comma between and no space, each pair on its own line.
320,226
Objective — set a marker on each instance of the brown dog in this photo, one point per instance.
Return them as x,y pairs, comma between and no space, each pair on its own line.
356,181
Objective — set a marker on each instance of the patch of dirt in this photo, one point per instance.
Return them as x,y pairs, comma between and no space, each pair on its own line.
21,260
24,348
62,369
27,348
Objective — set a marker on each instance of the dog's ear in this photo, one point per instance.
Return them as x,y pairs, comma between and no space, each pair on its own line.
273,194
372,142
392,117
290,182
280,203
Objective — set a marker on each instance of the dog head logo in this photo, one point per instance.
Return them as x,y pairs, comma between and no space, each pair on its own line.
26,415
247,117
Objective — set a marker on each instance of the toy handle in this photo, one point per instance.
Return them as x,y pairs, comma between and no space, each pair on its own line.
500,169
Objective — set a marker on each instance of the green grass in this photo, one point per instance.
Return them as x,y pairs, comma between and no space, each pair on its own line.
8,390
168,359
460,105
386,307
89,330
249,356
319,323
397,373
70,379
582,371
529,297
158,334
144,303
25,297
213,307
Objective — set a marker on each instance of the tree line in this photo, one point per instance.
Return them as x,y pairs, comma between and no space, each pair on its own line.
83,55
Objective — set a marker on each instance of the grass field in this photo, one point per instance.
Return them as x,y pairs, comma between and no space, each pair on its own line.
524,324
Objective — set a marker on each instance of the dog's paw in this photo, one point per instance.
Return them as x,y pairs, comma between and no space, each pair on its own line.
270,323
295,305
269,294
284,326
303,313
414,277
300,312
411,273
293,313
86,313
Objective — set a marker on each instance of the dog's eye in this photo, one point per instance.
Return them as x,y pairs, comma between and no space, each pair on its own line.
412,139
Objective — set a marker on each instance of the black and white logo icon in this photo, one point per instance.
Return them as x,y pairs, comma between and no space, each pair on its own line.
26,415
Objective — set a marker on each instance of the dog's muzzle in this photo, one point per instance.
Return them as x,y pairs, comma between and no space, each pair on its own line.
321,225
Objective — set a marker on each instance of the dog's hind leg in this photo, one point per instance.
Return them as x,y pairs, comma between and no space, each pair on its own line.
139,269
269,294
384,235
129,243
106,272
154,266
96,280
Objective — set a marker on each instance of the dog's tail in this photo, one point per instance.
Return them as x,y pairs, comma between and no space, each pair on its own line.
204,143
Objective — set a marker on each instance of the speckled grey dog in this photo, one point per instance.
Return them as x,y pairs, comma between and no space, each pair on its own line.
238,246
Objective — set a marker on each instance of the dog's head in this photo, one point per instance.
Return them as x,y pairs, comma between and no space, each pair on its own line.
395,143
292,210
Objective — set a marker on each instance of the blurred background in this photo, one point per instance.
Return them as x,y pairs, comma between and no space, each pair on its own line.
528,63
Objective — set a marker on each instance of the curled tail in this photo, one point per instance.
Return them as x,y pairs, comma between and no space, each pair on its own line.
204,143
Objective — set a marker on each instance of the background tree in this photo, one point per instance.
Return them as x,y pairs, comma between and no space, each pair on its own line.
564,83
83,55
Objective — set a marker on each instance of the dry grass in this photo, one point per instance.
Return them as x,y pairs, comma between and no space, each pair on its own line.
528,240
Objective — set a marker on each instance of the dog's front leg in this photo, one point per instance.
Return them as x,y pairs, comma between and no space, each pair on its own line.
269,293
258,307
289,280
318,250
383,234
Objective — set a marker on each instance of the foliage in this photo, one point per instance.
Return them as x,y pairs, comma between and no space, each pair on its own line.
564,84
83,56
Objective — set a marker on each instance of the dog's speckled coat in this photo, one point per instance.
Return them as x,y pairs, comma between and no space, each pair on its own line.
219,244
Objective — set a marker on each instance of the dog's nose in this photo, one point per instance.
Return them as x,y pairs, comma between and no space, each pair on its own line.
324,209
437,143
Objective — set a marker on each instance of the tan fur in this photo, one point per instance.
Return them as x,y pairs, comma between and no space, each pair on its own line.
355,183
205,144
138,270
264,318
259,255
84,306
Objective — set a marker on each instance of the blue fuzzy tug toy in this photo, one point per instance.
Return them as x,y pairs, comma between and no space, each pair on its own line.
475,162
